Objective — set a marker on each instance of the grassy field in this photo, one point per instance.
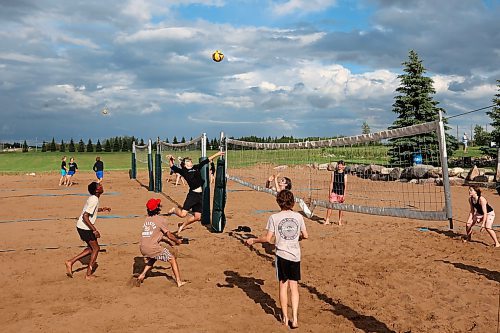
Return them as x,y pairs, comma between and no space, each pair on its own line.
51,161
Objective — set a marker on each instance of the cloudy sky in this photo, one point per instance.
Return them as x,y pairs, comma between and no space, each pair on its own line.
291,67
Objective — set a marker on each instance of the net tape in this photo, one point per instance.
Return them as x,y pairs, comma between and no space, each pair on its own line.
345,141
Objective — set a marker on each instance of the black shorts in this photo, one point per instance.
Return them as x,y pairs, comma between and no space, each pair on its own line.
86,235
193,202
287,270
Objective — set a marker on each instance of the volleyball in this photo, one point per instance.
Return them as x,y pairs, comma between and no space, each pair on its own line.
105,111
217,56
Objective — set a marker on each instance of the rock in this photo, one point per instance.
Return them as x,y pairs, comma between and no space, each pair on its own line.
395,173
455,172
324,166
435,172
473,173
386,171
481,179
374,168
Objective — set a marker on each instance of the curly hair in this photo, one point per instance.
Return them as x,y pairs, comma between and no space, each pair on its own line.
285,200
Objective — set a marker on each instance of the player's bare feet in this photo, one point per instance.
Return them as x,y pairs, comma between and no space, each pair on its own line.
327,222
69,269
181,283
180,226
89,277
496,245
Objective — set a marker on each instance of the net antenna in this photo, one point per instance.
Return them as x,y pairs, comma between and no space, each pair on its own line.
380,179
142,159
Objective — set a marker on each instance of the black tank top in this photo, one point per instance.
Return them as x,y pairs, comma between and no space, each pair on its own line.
338,183
478,208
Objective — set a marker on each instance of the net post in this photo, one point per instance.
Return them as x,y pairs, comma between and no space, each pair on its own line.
444,166
158,184
205,175
150,168
219,201
133,170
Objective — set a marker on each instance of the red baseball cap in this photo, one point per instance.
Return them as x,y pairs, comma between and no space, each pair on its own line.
153,204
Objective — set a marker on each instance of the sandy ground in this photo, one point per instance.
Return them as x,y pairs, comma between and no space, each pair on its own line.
374,274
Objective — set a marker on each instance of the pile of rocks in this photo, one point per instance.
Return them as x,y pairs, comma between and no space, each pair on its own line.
419,174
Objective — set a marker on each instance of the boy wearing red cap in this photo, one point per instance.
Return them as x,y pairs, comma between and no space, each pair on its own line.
154,231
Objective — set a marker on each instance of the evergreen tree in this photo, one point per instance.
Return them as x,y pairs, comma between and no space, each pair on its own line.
141,143
495,117
415,105
44,147
174,140
71,147
107,146
365,129
116,144
81,146
90,147
52,146
125,144
62,147
98,147
166,140
25,147
183,140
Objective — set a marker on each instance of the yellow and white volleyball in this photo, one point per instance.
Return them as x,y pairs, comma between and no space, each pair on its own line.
217,56
105,111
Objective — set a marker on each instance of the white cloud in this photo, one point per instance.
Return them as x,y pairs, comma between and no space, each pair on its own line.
302,6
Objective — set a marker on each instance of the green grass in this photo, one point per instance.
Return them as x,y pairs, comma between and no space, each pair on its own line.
51,161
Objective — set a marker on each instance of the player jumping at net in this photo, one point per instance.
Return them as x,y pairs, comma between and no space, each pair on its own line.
192,174
275,183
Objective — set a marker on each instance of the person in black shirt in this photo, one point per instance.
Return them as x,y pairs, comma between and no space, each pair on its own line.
337,190
73,167
192,174
480,211
99,169
64,171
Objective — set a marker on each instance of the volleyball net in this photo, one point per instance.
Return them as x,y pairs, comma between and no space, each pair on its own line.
397,172
142,159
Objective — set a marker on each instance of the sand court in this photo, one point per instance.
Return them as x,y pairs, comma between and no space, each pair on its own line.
374,274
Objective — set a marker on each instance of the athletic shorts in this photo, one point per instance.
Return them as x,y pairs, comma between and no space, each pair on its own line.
193,202
86,235
63,172
336,198
99,174
287,270
71,173
165,255
490,218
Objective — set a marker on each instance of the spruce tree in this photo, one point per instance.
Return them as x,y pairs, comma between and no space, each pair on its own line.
90,147
71,146
62,147
415,105
81,146
116,144
141,142
98,147
495,117
107,146
365,128
25,147
44,147
52,146
174,140
183,140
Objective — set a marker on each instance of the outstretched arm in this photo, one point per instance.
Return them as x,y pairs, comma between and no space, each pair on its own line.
265,238
220,153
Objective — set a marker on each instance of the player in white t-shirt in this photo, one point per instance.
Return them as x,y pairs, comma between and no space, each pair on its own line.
87,230
288,228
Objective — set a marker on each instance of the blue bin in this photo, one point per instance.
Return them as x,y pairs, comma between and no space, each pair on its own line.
417,158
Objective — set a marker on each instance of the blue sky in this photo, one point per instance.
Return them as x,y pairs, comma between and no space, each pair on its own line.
301,68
